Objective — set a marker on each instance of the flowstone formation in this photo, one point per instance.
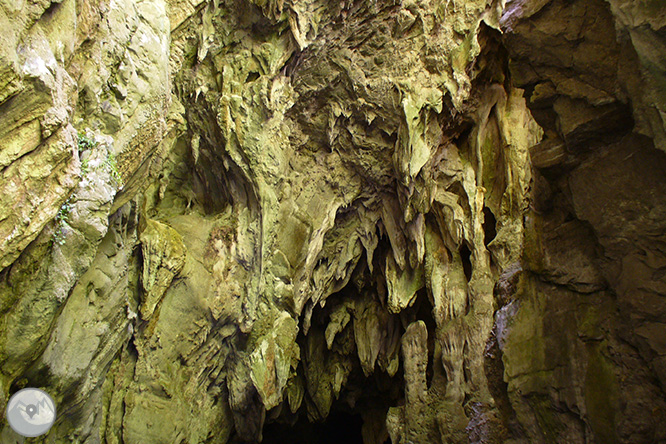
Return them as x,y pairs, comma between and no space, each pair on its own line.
314,221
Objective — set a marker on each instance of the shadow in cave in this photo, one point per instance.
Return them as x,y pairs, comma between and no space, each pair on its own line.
362,396
339,427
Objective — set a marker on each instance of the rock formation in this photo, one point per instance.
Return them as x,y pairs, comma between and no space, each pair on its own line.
404,221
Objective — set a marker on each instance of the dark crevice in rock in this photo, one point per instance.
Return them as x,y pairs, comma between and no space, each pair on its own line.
465,256
325,220
251,77
51,10
489,226
338,427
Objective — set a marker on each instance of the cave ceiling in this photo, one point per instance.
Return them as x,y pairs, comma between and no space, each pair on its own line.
401,221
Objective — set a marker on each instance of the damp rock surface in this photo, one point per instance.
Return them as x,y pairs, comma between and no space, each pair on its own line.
256,220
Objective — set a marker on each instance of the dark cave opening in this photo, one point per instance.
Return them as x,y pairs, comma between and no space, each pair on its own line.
489,226
364,398
465,256
251,77
339,427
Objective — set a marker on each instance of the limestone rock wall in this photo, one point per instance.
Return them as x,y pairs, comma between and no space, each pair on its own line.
444,217
589,306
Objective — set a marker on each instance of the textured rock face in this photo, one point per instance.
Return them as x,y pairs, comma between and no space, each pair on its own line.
591,70
442,218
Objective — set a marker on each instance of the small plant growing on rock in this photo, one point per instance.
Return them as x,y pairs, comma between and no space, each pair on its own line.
112,166
84,167
62,224
85,142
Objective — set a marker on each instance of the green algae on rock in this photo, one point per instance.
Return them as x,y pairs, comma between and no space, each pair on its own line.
443,217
